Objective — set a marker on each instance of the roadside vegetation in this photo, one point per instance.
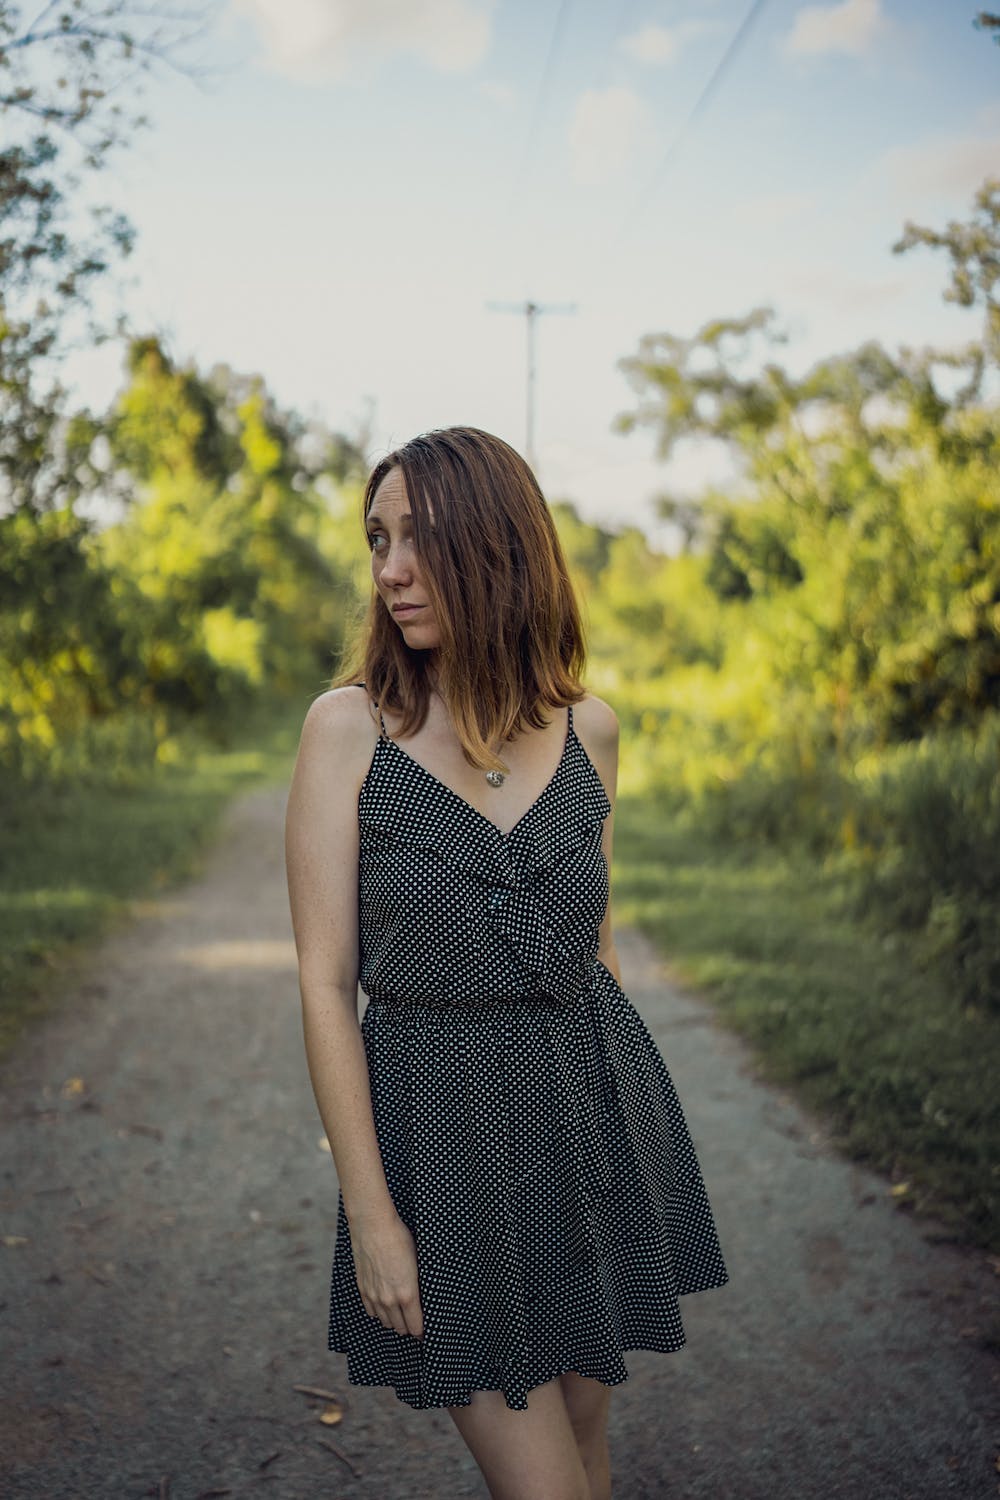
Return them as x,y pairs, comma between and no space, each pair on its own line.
81,854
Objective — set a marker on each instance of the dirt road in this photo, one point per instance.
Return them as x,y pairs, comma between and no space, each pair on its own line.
168,1219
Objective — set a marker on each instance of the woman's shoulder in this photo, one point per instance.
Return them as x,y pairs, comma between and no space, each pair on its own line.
596,721
342,721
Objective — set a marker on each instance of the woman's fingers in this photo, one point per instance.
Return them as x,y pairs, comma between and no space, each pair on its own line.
402,1312
413,1318
405,1317
386,1270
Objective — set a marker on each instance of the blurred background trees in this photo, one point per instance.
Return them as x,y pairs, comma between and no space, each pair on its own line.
829,666
166,558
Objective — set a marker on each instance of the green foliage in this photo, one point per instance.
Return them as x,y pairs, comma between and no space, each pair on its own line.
65,73
820,670
220,582
975,271
69,646
856,1018
928,819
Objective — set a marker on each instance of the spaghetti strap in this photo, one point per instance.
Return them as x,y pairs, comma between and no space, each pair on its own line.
382,734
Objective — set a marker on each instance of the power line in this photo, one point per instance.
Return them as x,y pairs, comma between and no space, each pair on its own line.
531,311
565,7
737,42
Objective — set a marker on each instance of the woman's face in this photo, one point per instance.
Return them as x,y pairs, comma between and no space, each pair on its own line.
396,566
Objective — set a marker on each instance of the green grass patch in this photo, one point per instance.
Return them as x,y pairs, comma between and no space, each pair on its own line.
868,1037
76,855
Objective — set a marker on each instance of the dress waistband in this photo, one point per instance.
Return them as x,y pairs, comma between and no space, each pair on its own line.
541,1001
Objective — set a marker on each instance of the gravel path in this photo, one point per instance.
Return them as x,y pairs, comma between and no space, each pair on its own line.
168,1219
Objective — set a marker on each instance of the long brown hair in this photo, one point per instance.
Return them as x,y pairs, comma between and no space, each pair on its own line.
511,641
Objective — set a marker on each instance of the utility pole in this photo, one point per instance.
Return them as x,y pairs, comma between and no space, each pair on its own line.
530,311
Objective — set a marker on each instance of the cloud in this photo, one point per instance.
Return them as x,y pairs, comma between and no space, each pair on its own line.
323,38
949,166
652,44
845,294
602,132
499,92
655,44
853,26
772,209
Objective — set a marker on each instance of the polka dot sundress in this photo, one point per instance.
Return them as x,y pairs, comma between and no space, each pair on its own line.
531,1135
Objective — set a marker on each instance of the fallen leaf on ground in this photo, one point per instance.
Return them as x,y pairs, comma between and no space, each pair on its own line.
72,1087
332,1414
11,1240
899,1188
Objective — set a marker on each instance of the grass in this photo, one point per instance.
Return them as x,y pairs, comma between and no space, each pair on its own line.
76,858
836,1010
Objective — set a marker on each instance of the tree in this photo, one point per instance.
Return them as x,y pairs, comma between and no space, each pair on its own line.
62,75
865,550
227,534
986,21
974,251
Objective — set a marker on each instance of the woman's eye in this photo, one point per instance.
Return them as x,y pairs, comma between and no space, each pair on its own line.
375,540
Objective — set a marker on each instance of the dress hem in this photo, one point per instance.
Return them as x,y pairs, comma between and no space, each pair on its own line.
464,1399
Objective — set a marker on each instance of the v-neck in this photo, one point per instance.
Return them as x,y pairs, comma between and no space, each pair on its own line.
457,796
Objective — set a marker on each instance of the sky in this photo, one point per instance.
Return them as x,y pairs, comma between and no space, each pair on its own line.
349,185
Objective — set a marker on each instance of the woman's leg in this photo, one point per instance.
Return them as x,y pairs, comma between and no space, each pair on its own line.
587,1402
525,1455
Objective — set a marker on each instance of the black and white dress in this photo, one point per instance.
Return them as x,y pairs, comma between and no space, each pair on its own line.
531,1135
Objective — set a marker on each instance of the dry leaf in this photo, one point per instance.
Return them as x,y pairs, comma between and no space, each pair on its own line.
72,1087
331,1414
10,1240
899,1189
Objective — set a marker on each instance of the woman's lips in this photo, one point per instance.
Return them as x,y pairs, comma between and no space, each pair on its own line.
401,610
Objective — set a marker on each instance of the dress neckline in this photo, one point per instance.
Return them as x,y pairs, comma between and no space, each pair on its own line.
571,736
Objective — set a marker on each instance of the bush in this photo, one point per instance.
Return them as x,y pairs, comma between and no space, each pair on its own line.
931,819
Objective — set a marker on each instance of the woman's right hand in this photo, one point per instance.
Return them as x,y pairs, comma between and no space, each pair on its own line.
385,1265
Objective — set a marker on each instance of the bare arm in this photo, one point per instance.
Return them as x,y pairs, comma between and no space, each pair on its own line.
321,854
597,726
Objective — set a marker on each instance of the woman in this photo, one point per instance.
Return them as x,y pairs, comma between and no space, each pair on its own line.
520,1201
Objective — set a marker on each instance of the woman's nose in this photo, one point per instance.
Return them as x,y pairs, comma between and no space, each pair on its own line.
396,567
